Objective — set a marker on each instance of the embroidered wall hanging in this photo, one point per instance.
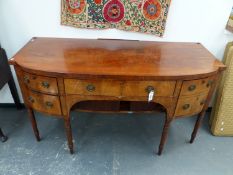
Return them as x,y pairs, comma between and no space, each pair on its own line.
147,16
229,26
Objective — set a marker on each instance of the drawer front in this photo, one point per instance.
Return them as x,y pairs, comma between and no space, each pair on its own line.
191,105
142,88
41,83
93,87
44,103
196,86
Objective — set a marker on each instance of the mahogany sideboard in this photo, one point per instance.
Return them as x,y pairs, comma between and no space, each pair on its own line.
57,74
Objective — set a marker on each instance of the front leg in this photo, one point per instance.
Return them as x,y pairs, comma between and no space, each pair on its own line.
201,115
34,124
69,134
197,125
164,135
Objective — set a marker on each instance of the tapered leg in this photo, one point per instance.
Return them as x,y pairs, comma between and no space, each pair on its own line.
34,125
197,126
14,93
69,134
2,136
164,135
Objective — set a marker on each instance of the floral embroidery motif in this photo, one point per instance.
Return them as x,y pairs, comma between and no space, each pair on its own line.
98,2
76,7
113,11
147,16
151,9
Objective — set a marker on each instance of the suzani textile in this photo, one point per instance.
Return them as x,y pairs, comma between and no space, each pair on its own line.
147,16
229,26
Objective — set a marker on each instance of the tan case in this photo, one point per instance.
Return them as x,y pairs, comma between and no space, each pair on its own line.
221,119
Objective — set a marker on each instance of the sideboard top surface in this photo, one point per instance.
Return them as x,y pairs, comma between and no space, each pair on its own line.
117,58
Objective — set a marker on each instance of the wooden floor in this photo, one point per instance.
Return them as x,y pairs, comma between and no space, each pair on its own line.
110,144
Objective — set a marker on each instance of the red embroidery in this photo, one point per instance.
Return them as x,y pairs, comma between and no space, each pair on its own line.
114,11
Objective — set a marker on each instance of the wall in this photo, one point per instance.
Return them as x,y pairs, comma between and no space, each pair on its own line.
189,20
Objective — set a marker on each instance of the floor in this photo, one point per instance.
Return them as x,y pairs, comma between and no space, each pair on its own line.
110,144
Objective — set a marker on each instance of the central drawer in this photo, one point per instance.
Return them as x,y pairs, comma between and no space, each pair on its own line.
142,88
93,87
119,88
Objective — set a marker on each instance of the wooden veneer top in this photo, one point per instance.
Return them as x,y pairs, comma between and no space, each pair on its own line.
117,58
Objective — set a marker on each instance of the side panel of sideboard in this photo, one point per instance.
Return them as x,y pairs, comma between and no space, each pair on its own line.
38,97
193,96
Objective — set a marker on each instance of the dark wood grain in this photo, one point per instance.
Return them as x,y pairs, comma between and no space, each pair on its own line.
69,134
116,76
34,124
164,134
117,59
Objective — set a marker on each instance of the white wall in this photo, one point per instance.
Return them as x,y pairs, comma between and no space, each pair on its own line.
189,20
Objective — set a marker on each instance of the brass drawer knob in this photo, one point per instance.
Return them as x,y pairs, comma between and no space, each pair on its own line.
45,84
26,79
186,106
210,83
149,89
90,87
192,87
49,104
202,102
31,100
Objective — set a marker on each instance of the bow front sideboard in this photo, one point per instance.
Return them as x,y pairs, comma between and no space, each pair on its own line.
58,75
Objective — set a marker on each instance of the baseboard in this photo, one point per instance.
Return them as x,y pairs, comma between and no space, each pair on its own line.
10,105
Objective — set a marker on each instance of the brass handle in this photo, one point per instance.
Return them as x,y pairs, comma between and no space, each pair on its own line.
49,104
90,87
45,84
149,89
26,79
30,99
192,87
186,106
210,82
202,102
